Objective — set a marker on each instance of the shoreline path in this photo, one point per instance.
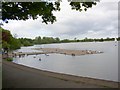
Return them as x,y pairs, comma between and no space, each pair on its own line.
19,76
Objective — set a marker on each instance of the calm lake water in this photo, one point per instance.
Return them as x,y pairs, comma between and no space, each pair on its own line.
101,66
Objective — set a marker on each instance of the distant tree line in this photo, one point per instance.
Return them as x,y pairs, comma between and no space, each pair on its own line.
49,40
97,40
15,43
46,40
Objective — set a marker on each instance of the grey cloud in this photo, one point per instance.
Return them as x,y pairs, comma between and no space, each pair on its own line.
99,21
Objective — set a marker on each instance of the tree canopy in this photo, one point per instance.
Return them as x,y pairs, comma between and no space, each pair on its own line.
27,10
80,6
8,40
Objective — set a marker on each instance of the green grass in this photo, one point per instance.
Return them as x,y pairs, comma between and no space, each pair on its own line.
9,59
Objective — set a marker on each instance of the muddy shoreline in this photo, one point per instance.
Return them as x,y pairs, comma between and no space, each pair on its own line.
68,52
54,50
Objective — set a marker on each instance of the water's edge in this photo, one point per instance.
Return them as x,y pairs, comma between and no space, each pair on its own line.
94,66
78,79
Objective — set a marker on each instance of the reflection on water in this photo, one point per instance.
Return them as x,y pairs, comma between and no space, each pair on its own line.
102,66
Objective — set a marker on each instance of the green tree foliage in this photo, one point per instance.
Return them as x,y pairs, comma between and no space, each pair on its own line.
0,38
5,44
8,40
97,40
46,40
57,40
118,38
38,40
109,39
65,41
80,6
27,10
6,35
26,41
14,43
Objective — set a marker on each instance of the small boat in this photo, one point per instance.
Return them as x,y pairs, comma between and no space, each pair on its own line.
115,39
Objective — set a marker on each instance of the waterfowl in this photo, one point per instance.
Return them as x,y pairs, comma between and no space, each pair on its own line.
39,59
34,57
46,54
73,54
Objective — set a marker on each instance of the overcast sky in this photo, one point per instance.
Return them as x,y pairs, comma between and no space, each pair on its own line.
100,21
